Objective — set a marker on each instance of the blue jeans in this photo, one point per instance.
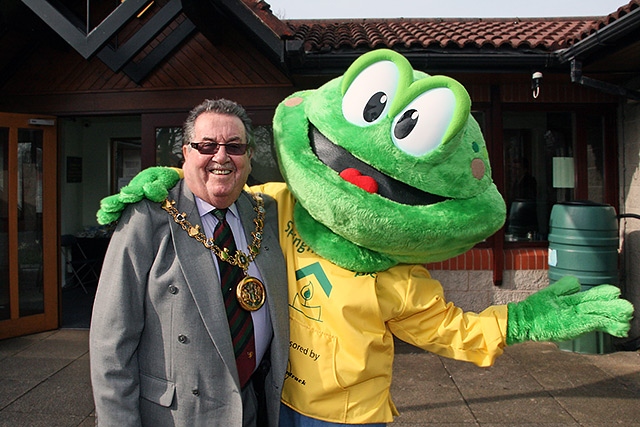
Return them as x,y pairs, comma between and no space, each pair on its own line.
291,418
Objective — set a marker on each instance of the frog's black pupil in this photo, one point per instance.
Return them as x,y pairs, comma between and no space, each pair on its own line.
374,107
406,124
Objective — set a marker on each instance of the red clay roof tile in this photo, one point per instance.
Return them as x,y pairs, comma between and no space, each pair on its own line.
544,34
263,11
428,33
620,13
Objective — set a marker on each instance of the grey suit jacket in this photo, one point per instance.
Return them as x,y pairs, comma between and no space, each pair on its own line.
160,348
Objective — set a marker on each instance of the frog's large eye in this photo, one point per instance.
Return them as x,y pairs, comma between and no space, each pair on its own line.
367,99
421,125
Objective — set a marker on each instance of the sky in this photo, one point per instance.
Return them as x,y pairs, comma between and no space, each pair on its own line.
322,9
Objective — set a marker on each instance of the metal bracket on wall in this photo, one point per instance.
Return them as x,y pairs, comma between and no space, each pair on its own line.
577,77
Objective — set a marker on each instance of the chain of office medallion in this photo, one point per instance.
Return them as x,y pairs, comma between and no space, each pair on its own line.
239,259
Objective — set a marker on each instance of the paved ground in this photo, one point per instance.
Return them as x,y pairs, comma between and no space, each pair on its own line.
44,381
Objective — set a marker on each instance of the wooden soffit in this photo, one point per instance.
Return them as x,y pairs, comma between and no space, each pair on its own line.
101,39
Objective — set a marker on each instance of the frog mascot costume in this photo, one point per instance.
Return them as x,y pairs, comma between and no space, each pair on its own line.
386,170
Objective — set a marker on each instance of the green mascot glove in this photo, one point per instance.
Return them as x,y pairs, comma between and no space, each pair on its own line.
152,183
561,312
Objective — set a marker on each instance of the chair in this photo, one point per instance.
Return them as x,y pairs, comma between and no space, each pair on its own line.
80,267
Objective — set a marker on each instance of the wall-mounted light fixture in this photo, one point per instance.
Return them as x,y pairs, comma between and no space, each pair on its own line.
536,82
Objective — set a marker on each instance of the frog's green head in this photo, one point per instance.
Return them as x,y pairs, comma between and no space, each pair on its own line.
387,165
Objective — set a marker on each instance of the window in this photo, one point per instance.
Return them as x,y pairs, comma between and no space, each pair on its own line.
125,161
595,158
169,146
549,158
264,166
169,140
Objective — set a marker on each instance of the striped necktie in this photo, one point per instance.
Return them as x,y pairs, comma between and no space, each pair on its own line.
240,323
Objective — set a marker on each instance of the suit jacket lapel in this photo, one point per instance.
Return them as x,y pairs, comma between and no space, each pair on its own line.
200,274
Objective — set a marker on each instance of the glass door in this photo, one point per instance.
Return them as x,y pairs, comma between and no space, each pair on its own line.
29,262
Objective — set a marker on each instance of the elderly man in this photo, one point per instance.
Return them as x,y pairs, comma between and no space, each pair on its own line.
190,324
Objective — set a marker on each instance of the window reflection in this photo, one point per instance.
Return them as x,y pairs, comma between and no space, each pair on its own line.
595,158
5,312
169,146
533,144
30,279
264,165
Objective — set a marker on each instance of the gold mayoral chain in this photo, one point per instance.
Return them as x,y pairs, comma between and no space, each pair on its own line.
250,291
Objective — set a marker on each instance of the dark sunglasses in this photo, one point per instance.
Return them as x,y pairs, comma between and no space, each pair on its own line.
232,148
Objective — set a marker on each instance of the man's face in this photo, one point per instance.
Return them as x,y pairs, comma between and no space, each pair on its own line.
217,178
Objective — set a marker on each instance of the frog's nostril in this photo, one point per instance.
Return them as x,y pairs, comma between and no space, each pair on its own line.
294,101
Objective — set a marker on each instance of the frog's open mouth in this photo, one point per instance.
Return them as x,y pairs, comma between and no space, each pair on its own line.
339,159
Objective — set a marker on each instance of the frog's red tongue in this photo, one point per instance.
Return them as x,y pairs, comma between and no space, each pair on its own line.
365,182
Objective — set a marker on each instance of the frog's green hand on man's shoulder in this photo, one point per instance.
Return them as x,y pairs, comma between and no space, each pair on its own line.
152,183
561,312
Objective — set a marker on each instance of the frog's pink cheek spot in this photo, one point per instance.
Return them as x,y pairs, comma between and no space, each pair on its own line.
293,102
477,168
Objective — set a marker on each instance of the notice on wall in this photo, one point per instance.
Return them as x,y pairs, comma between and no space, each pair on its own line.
74,169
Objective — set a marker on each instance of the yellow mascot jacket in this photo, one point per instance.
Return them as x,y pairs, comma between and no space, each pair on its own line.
342,326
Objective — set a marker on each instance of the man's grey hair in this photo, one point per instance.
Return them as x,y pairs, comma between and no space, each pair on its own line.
219,106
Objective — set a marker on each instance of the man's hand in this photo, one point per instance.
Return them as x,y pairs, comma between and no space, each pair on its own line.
561,312
152,183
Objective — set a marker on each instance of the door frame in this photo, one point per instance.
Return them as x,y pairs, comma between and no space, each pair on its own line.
50,318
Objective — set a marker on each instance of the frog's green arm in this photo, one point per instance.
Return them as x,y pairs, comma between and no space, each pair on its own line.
152,183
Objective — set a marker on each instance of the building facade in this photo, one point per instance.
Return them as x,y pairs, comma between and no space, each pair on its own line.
92,96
